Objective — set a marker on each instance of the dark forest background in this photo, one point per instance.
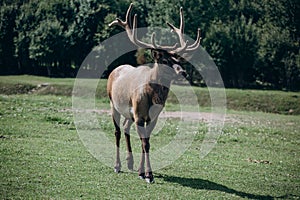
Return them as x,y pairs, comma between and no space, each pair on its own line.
254,43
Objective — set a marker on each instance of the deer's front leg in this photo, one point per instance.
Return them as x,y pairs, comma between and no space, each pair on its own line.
147,174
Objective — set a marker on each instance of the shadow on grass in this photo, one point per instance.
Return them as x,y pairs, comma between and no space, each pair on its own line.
202,184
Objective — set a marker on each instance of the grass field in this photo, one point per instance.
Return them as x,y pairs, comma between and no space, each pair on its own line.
42,157
279,102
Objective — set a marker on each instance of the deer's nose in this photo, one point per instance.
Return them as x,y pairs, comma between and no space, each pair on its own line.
179,71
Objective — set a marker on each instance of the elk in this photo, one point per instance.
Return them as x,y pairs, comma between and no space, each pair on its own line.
139,93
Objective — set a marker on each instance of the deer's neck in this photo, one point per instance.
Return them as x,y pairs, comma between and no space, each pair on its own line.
159,85
162,75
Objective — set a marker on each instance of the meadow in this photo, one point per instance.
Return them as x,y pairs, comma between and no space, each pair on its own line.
42,156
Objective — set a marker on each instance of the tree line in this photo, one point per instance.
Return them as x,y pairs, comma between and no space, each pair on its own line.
255,44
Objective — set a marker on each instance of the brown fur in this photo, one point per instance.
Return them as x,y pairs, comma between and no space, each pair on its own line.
139,94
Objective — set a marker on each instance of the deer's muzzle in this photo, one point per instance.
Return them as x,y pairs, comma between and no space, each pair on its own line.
179,71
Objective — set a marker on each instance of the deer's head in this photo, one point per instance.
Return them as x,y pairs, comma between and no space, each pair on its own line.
167,55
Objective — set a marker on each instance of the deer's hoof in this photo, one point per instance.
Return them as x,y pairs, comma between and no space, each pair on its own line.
149,179
117,169
142,176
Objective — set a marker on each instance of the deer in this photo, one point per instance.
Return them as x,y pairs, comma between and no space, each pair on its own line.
139,93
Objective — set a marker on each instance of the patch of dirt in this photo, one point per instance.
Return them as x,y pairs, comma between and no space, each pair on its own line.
10,89
39,87
185,116
43,89
16,89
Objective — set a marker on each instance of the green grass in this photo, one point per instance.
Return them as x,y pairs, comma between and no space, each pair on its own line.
241,100
42,156
256,157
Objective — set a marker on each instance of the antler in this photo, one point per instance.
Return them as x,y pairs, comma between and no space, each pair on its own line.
132,34
125,24
180,32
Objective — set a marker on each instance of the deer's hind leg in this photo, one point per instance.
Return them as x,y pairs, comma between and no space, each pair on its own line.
129,158
116,119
